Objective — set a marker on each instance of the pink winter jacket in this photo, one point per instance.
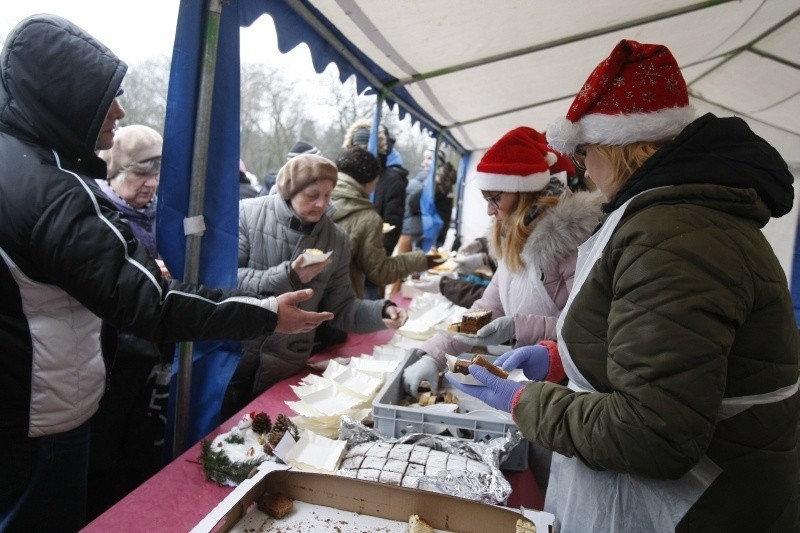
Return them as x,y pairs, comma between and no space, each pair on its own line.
551,249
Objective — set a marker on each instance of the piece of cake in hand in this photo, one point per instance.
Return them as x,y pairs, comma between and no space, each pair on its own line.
313,251
275,504
494,369
461,366
474,320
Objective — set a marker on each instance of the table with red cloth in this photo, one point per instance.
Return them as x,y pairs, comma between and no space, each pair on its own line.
178,497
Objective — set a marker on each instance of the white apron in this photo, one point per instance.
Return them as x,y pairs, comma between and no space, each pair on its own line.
583,499
523,292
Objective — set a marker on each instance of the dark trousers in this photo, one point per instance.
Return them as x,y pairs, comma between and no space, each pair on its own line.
44,482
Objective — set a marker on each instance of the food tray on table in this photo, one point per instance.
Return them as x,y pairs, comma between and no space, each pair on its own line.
394,420
335,503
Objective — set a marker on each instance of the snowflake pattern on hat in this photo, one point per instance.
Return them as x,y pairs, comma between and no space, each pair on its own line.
636,94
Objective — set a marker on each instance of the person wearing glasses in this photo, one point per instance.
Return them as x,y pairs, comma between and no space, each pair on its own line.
130,454
679,338
538,225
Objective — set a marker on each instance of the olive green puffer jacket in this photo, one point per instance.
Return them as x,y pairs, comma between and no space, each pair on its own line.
688,305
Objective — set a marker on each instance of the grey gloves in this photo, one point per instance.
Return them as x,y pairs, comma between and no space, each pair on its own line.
426,369
498,331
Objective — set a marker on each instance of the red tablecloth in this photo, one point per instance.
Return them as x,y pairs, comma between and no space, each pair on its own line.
178,496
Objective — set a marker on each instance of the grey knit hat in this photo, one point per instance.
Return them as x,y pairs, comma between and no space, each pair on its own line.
302,147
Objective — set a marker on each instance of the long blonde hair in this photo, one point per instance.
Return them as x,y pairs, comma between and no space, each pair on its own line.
626,159
509,235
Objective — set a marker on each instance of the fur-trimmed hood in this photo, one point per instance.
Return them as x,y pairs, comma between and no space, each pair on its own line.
562,229
383,142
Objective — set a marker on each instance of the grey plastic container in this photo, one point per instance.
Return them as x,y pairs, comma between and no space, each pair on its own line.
394,420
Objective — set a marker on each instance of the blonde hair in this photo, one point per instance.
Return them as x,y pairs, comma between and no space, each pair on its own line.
509,235
626,159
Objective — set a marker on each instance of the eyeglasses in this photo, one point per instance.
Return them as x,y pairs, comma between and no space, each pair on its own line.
578,157
494,201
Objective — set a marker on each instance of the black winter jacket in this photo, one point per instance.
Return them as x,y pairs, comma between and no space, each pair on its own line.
68,261
390,202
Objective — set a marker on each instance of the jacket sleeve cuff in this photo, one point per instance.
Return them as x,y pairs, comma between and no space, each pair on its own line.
555,374
515,400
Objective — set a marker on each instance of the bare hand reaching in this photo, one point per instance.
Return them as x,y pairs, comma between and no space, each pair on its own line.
395,317
292,319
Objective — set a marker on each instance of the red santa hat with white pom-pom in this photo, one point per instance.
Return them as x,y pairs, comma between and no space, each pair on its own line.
636,94
519,162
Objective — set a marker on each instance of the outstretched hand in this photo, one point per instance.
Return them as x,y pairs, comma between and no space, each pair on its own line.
496,392
292,319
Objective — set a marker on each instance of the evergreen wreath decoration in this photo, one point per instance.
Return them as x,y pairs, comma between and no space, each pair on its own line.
253,437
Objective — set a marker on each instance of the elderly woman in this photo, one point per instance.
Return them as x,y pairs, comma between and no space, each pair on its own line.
133,169
274,231
679,338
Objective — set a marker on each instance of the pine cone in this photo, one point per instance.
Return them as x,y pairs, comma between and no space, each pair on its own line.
274,438
283,424
262,423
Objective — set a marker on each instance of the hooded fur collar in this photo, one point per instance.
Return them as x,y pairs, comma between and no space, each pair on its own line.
559,233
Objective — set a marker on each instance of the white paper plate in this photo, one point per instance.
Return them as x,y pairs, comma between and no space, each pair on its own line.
312,259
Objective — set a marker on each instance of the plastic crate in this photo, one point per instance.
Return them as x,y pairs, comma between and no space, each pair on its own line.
393,420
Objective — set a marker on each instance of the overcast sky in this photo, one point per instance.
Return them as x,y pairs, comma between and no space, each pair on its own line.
136,30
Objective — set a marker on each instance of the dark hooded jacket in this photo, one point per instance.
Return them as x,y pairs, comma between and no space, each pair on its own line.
68,261
688,305
390,202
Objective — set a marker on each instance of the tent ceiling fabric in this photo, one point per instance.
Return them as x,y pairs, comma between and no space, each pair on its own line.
477,69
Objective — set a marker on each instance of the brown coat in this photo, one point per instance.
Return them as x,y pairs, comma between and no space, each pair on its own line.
356,215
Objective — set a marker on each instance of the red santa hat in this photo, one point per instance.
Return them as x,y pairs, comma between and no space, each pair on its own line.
519,162
636,94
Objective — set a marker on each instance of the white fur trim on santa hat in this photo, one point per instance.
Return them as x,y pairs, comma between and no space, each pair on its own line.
509,183
611,130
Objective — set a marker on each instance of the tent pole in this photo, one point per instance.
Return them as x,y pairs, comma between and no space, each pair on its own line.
196,201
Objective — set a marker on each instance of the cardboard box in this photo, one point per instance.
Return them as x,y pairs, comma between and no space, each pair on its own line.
367,499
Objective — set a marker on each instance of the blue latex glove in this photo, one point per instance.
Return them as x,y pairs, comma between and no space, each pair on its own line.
498,331
425,369
496,392
533,360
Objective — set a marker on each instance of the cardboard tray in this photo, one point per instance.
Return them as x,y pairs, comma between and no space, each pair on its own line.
367,498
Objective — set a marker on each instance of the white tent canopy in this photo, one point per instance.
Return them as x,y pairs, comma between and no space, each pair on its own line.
479,69
476,69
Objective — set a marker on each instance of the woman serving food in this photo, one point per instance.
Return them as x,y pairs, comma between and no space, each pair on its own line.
538,225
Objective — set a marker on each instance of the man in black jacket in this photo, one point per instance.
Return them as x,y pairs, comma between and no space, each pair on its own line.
69,263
